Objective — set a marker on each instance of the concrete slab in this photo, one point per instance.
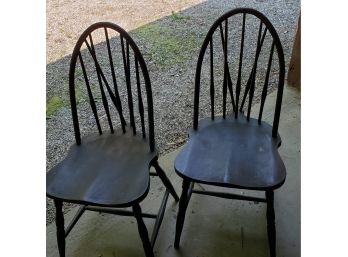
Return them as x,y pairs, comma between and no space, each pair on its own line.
213,226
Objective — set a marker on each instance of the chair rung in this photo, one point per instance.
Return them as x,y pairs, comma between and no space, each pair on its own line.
118,212
77,216
153,174
230,196
159,218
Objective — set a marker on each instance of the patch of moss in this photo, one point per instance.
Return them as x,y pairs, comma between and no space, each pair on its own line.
167,47
179,17
52,105
78,73
79,94
56,102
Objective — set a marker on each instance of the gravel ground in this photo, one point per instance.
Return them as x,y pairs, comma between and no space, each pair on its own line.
170,46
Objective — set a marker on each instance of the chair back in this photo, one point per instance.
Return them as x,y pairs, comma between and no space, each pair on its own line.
238,53
113,77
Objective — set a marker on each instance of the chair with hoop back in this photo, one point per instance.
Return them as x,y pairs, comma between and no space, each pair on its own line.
235,150
107,171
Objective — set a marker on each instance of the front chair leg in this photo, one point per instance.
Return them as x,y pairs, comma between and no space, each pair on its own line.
182,211
60,227
271,223
165,180
143,231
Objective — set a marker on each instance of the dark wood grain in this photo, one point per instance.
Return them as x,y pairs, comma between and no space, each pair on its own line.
233,153
106,170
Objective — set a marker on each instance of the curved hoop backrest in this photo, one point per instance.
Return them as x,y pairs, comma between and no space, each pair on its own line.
264,28
104,78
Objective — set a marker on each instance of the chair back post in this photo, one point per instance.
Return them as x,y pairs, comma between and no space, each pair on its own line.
73,104
227,84
127,44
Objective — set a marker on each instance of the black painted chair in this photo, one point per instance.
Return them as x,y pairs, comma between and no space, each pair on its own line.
106,171
235,150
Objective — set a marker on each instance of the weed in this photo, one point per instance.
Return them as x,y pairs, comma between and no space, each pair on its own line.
167,47
52,105
179,17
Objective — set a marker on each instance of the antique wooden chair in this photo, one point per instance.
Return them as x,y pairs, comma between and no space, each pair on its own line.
235,150
106,171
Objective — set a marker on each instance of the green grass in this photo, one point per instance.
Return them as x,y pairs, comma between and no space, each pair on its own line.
55,102
52,105
179,17
79,94
167,47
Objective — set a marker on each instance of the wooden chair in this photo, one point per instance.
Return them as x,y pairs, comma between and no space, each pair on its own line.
235,150
105,171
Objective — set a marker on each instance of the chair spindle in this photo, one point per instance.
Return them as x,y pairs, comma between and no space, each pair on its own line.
104,99
117,95
126,64
212,90
224,89
140,100
90,95
229,80
238,86
265,86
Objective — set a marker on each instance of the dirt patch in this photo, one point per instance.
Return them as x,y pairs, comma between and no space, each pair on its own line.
67,19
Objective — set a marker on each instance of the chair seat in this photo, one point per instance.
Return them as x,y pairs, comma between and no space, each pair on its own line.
105,170
232,153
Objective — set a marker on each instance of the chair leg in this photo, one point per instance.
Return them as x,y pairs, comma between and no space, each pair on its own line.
271,223
60,227
165,180
143,231
182,211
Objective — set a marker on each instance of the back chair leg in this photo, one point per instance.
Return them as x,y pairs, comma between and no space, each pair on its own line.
143,231
271,223
60,227
165,180
184,199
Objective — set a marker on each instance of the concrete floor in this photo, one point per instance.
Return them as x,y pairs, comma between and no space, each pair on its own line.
213,227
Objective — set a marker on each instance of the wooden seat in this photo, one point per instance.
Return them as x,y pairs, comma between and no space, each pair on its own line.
232,153
106,170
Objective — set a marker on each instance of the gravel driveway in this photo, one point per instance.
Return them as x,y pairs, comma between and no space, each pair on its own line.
169,34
